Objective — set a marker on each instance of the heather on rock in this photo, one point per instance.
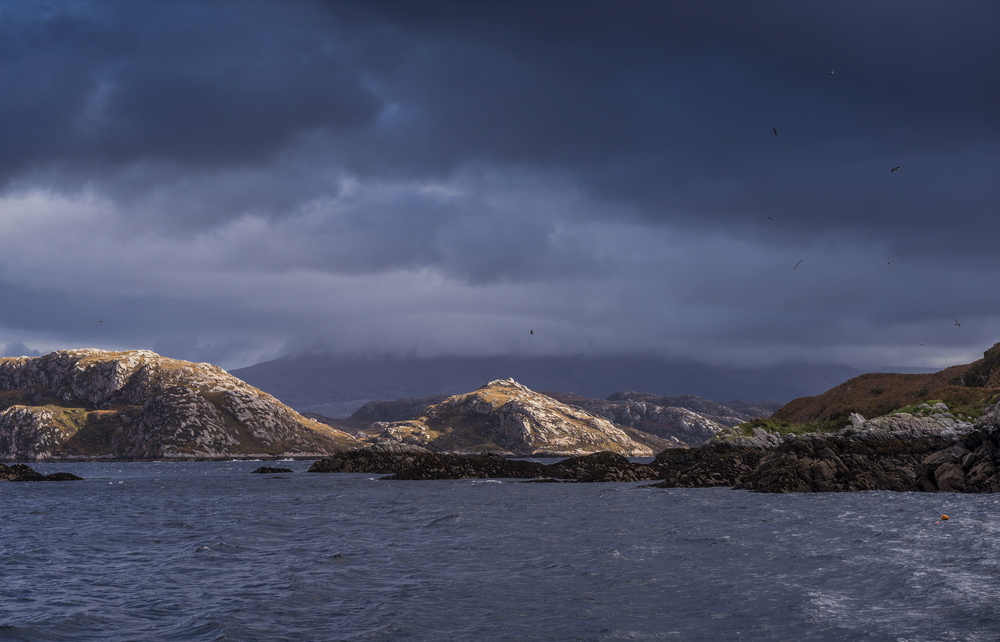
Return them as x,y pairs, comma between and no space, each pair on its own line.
85,404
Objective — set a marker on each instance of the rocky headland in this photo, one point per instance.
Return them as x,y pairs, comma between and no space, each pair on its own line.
135,405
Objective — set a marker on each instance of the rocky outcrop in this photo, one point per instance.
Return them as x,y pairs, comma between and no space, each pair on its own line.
679,425
721,462
970,466
881,454
924,450
687,420
729,413
900,452
603,467
505,417
20,472
385,458
424,465
88,404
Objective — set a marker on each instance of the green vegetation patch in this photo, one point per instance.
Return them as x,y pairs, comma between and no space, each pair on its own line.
833,423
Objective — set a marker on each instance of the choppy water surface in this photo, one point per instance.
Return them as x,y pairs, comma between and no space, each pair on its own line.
208,551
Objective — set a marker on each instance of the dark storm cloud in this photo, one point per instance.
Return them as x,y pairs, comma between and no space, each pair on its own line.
222,179
202,83
670,105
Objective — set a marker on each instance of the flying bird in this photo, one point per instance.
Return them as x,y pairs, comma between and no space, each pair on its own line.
957,323
894,169
796,265
531,332
889,262
920,344
101,321
769,218
831,73
775,130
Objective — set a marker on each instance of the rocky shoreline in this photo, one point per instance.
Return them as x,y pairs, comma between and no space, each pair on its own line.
929,451
23,473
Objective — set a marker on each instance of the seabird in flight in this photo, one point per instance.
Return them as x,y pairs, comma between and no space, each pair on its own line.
531,332
957,323
831,73
775,130
894,169
796,265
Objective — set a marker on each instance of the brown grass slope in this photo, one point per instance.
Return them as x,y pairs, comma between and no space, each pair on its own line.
966,389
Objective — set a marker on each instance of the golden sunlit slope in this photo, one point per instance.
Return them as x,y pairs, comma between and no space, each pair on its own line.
138,405
504,416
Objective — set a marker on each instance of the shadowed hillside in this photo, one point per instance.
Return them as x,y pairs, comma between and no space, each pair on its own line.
966,389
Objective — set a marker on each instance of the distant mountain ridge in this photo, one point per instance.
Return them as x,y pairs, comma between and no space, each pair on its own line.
336,386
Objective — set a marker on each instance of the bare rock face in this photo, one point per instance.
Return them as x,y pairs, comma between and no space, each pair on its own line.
901,452
729,413
504,416
681,425
138,405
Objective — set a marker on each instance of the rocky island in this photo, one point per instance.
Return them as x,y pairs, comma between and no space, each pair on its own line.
135,405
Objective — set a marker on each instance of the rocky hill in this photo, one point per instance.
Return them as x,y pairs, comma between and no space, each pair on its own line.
86,404
684,420
966,389
504,416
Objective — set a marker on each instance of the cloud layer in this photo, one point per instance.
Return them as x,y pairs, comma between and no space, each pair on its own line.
233,181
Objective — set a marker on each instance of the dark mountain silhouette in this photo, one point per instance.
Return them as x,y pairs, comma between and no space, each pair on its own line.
337,386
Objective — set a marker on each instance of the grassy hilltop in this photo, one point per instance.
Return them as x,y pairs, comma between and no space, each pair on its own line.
966,390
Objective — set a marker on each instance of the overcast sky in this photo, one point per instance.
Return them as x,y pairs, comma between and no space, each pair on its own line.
234,181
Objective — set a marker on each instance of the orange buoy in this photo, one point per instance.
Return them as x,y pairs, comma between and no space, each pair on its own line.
944,517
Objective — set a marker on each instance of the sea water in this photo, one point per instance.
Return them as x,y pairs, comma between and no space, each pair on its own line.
209,551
